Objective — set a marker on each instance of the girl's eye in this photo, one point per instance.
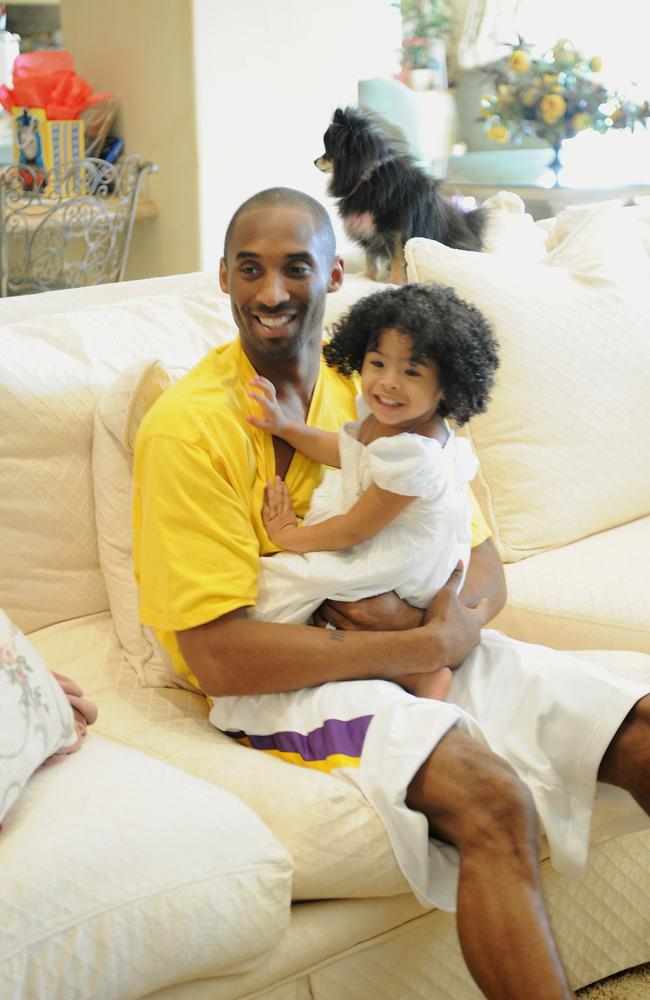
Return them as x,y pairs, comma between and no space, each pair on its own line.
376,363
412,373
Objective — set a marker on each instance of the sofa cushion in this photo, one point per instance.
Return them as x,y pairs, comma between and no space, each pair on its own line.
35,715
566,597
122,875
338,844
562,447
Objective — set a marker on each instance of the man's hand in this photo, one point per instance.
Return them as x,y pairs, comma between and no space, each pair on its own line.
279,517
457,625
382,613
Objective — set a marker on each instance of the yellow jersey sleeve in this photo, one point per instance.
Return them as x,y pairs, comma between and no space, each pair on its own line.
480,530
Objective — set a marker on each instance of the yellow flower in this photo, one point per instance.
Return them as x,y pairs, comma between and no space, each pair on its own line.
581,121
552,107
519,61
498,133
596,64
549,78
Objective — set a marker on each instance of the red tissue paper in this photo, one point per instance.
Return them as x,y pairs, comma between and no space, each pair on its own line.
47,79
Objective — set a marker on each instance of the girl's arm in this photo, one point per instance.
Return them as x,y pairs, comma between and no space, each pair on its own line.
373,511
320,446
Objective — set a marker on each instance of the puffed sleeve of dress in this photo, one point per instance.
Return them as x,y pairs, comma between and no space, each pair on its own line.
408,464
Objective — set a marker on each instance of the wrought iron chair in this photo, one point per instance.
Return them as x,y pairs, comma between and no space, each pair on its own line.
68,227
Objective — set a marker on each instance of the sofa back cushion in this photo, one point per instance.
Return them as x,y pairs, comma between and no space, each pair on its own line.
52,372
563,446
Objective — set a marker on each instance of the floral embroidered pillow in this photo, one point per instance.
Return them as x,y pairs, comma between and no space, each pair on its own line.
36,719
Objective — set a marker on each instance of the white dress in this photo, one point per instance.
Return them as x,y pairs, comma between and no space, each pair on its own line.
413,555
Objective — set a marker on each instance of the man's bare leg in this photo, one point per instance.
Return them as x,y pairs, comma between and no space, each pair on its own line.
627,760
474,800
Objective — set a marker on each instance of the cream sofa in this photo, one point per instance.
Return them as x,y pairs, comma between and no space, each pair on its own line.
164,860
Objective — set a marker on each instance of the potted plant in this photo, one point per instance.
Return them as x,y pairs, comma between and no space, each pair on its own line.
425,26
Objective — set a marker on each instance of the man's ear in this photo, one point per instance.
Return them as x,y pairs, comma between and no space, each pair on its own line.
336,275
223,275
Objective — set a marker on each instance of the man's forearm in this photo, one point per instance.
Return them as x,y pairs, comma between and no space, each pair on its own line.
236,655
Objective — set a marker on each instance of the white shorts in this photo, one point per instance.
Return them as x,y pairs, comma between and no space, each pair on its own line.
550,715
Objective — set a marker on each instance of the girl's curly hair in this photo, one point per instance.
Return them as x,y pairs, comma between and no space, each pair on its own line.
442,326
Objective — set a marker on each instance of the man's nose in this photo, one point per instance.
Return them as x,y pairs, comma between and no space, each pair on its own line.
273,290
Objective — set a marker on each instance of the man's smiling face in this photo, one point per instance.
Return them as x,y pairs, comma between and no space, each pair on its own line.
277,276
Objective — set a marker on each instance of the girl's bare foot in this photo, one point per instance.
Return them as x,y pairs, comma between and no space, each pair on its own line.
435,685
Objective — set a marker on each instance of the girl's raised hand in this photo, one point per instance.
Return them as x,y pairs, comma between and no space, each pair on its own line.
273,419
277,512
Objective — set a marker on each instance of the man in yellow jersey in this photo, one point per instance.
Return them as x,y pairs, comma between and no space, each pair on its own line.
447,778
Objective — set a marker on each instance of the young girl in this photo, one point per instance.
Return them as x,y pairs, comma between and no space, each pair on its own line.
397,516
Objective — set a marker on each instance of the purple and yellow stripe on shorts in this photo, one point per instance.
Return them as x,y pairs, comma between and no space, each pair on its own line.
334,744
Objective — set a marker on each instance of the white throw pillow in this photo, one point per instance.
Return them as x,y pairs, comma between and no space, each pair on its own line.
122,875
563,447
117,419
35,715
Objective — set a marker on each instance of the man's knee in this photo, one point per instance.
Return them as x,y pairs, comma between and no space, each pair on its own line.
472,797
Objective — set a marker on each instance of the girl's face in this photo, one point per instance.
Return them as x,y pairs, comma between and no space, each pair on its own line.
400,391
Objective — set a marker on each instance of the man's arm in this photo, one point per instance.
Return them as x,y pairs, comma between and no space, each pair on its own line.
236,655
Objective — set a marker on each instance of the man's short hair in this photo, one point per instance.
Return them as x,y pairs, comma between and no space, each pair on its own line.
278,196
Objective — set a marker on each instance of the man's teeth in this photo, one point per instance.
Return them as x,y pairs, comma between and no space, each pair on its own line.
274,321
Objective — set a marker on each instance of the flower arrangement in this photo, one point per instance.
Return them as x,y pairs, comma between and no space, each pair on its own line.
553,96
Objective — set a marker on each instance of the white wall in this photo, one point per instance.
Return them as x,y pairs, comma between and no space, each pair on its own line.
268,77
227,98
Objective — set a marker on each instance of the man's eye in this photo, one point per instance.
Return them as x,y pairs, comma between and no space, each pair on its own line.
249,269
299,270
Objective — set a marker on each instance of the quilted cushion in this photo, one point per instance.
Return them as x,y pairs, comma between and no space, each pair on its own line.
35,715
593,592
562,449
122,875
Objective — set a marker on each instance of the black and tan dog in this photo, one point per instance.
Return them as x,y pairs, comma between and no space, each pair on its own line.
384,197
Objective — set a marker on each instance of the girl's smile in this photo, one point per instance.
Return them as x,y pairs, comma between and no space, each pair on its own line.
400,390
